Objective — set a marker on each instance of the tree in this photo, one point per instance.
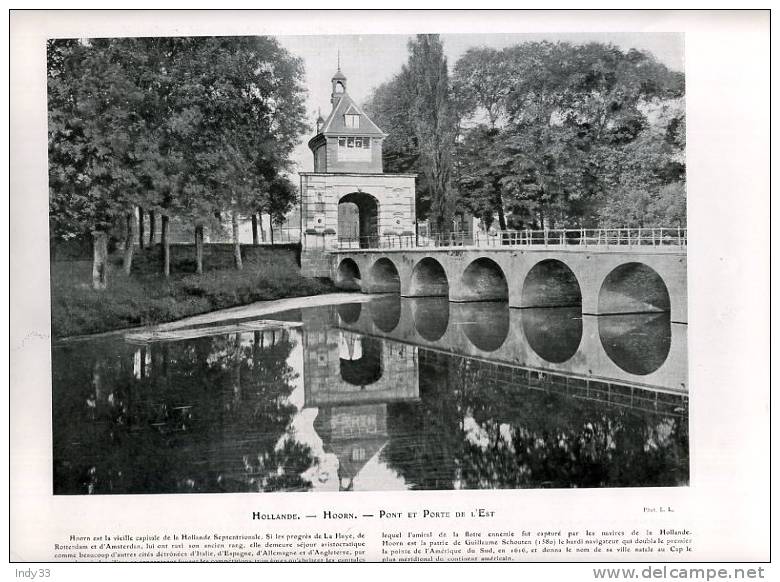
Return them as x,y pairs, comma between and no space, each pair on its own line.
91,136
418,106
481,83
480,173
568,118
184,127
250,82
434,121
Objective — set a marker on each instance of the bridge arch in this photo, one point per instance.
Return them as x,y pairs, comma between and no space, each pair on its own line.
429,279
348,275
358,219
551,283
633,288
483,280
384,277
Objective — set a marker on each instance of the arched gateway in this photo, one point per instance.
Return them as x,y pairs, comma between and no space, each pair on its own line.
347,200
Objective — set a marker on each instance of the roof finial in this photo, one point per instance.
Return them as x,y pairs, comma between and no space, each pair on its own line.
338,59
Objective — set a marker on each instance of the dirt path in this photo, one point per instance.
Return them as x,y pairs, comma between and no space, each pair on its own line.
263,308
257,309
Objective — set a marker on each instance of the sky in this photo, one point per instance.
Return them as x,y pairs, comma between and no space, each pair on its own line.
370,60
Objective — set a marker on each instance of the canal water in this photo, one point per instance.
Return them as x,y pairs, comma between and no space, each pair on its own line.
388,394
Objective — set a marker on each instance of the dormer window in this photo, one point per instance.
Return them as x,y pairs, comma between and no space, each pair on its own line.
352,120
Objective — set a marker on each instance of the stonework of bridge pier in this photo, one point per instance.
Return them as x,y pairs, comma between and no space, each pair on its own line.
600,280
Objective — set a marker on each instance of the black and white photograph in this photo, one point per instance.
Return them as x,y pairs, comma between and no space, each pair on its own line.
341,263
390,286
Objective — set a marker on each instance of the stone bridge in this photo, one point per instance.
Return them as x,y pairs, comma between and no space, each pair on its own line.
601,280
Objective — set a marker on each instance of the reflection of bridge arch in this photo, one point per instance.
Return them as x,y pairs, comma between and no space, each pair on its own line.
436,323
431,317
384,277
637,343
554,334
429,279
386,312
486,324
348,275
358,219
484,280
360,360
349,312
551,283
633,288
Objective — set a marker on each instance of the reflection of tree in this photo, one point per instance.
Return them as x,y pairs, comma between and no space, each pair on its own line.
426,439
476,430
200,415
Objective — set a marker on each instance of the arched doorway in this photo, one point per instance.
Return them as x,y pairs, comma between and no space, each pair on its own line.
358,220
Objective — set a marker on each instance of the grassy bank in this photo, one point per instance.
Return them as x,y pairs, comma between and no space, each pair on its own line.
145,298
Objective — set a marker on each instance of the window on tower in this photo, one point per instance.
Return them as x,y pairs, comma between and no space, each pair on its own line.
351,120
339,88
354,148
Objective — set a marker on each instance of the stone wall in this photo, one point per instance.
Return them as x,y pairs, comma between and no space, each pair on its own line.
320,195
316,263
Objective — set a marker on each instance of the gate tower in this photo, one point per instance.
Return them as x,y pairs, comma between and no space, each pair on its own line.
348,198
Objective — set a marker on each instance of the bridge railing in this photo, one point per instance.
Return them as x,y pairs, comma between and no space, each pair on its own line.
513,238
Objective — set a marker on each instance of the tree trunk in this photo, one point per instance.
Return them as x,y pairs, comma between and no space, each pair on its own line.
236,242
152,224
127,260
236,365
140,227
99,260
255,238
262,230
271,228
166,248
199,249
500,208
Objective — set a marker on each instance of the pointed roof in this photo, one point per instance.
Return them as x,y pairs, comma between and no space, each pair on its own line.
339,76
335,125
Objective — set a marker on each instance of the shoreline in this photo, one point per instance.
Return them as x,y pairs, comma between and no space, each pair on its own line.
255,309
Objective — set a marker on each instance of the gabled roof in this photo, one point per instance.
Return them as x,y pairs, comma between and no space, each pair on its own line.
334,124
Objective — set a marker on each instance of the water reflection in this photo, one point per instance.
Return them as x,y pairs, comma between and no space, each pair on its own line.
360,360
638,343
386,312
349,312
431,316
553,333
486,323
333,406
475,429
204,415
